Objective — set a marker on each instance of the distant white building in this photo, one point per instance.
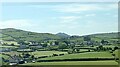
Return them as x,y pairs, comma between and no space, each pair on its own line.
23,46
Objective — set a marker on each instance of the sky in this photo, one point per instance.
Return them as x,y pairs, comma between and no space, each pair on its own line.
73,18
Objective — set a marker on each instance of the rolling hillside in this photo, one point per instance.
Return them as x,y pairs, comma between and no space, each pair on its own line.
11,34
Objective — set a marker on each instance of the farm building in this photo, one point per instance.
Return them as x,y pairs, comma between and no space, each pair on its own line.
24,50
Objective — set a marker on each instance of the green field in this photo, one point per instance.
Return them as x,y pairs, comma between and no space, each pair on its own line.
75,63
11,42
4,56
82,55
46,53
116,53
8,47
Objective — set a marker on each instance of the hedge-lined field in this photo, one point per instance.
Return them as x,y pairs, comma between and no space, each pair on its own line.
46,53
75,63
81,55
4,56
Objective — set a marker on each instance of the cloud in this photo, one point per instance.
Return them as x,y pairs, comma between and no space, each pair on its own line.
15,23
116,16
69,19
59,1
66,22
92,25
77,8
89,15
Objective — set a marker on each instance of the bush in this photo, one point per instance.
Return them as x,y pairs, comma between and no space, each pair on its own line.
61,54
42,56
55,54
115,48
70,51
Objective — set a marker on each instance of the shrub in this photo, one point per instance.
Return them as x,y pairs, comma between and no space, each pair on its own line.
55,54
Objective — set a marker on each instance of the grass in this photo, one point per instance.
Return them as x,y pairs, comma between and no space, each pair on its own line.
10,42
116,52
75,63
4,56
111,46
8,47
82,55
46,53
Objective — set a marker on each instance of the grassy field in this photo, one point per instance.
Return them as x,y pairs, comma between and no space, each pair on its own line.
36,53
4,56
10,42
75,63
8,47
82,55
46,53
116,53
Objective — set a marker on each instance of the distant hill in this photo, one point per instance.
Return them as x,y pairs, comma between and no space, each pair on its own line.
106,35
11,34
63,35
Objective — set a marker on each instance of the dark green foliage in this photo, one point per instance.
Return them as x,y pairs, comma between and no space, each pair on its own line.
70,51
32,57
44,45
55,55
26,55
62,46
77,50
104,42
56,43
12,44
87,38
115,48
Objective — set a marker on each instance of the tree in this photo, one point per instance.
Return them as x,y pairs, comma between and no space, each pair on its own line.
12,44
26,55
88,50
77,50
87,38
104,42
70,51
65,41
99,48
32,57
62,46
56,43
44,45
21,42
115,48
71,46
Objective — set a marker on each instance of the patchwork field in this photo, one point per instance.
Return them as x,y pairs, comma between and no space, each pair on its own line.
46,53
75,63
82,55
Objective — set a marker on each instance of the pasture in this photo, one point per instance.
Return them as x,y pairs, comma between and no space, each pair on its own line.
46,53
75,63
82,55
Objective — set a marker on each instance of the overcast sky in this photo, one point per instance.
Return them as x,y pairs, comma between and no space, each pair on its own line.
70,18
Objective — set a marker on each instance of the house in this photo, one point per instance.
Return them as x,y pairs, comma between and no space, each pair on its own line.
36,46
23,46
24,50
5,49
14,60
